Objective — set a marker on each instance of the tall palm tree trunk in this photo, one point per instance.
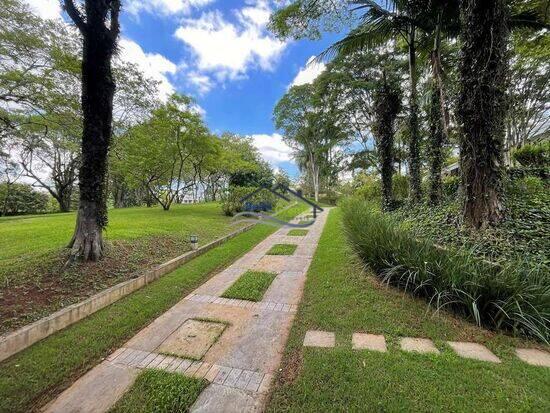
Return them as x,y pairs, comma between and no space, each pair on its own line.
482,109
414,135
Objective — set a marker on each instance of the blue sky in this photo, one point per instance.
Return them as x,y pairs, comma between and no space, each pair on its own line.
219,52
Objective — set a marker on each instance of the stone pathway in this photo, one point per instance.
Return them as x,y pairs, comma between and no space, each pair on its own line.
240,363
372,342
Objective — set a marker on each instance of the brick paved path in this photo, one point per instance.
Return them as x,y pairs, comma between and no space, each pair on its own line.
240,365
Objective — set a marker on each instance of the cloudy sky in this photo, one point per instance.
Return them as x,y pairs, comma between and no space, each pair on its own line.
219,52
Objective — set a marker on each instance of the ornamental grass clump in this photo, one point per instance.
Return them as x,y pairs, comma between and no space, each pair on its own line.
514,297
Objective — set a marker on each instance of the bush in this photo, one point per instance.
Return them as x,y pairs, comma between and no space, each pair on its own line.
450,186
400,185
528,185
369,188
533,155
19,199
262,201
513,297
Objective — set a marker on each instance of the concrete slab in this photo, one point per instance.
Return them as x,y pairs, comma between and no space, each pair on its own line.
280,263
286,288
192,339
218,398
219,283
260,345
534,357
362,341
316,338
473,351
418,345
96,391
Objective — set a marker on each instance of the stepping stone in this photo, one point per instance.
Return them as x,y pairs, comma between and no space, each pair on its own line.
315,338
192,339
418,345
534,356
473,351
363,341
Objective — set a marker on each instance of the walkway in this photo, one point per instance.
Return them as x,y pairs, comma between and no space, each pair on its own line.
239,364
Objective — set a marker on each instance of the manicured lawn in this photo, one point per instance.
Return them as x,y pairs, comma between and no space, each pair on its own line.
297,232
250,286
34,376
282,249
160,391
33,283
341,298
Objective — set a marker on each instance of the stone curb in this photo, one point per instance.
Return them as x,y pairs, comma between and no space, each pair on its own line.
20,339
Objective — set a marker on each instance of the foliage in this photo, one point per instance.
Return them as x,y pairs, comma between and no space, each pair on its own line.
251,286
513,297
533,154
450,185
20,199
159,391
232,200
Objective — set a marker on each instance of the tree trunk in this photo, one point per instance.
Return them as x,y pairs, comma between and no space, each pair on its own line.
386,107
414,138
98,87
435,147
482,109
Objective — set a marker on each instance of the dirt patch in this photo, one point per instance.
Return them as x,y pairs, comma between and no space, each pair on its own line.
49,287
292,366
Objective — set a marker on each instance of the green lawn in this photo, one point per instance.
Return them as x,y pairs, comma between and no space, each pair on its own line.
161,392
34,376
341,298
33,283
251,286
282,249
297,232
26,239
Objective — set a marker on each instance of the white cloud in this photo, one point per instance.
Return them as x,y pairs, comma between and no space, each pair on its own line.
46,9
272,148
165,7
153,65
229,49
308,73
202,82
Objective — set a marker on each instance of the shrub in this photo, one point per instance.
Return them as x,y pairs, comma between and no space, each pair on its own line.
400,185
19,199
528,185
262,201
533,155
450,185
369,189
513,297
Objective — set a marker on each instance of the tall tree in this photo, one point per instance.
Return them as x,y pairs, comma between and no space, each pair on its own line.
98,22
436,139
482,108
387,104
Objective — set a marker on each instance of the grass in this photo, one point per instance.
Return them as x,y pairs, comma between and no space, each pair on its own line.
34,376
340,297
282,249
250,286
33,283
161,392
297,232
514,297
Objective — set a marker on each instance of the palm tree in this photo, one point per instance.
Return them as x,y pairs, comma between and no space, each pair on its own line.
398,19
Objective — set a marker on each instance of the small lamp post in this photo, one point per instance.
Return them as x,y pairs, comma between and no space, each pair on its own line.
194,241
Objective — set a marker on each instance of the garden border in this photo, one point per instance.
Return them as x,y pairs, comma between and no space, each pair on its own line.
18,340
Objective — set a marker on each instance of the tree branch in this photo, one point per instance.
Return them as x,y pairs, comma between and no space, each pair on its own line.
75,15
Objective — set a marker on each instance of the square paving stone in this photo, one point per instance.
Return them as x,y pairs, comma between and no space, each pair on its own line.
473,351
534,356
362,341
192,339
315,338
418,345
